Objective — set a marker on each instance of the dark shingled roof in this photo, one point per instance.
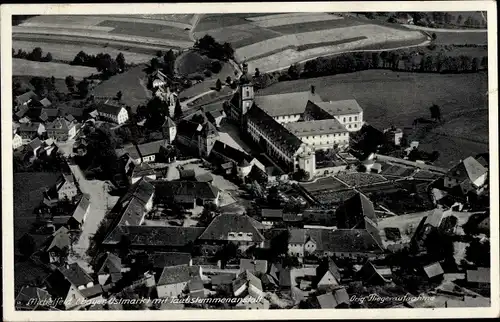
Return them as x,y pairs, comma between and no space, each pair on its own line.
109,263
23,98
174,275
166,259
150,148
27,294
75,275
271,213
469,168
286,103
280,134
223,278
109,108
344,240
236,155
155,235
91,292
81,208
185,188
224,224
59,239
352,212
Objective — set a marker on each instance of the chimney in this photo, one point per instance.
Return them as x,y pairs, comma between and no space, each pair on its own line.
313,89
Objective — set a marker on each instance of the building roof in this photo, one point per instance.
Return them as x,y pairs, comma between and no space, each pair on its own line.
433,270
223,224
29,127
333,299
109,263
344,240
45,102
130,150
286,103
247,277
297,236
480,275
253,265
222,278
184,188
59,239
328,266
51,113
168,122
155,235
166,259
142,170
316,127
34,144
230,152
59,124
469,168
141,190
28,293
174,275
23,98
343,107
353,211
150,148
204,177
187,173
92,292
109,107
434,219
271,213
281,136
75,274
133,213
81,208
285,277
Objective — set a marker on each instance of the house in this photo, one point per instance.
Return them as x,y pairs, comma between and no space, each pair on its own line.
375,275
188,193
271,216
161,260
433,270
49,148
108,268
25,99
197,138
169,130
469,175
32,298
285,279
61,129
479,278
34,147
113,112
146,152
253,265
247,283
269,283
17,141
239,229
45,102
195,288
57,246
29,130
332,300
65,188
79,216
215,117
328,275
355,211
140,171
296,241
241,162
222,280
68,282
173,281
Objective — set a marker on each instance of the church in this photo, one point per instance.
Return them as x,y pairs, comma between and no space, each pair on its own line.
292,127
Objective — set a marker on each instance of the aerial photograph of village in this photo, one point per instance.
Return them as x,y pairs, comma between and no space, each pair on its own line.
251,161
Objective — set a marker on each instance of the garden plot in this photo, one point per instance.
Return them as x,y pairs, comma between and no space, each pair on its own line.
291,18
360,179
22,67
330,184
281,52
67,52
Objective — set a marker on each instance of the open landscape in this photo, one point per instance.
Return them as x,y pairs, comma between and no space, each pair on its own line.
21,67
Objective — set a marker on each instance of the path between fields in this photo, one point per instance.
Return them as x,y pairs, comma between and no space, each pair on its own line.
425,43
445,30
194,23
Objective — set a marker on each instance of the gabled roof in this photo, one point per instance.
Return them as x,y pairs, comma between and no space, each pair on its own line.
185,188
150,148
480,275
469,168
286,103
352,212
343,107
142,170
434,218
59,124
34,144
222,278
133,213
328,266
45,102
81,208
433,270
29,293
23,98
297,236
29,127
59,239
253,265
109,107
224,224
168,122
246,277
174,275
92,292
109,263
230,152
22,111
142,190
316,127
333,299
271,213
344,240
75,274
280,134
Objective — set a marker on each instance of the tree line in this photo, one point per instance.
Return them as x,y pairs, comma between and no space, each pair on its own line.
104,63
35,55
393,60
213,49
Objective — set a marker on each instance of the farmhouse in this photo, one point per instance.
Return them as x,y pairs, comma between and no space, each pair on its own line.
65,188
173,281
61,129
113,112
290,127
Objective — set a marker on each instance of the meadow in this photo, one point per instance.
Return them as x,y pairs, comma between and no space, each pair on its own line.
22,67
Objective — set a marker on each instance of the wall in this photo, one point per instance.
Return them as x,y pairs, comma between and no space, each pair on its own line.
352,122
283,119
172,290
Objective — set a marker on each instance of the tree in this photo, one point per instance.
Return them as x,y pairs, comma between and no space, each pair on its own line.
435,112
83,88
375,60
478,253
210,211
218,85
119,95
228,80
279,244
465,63
434,36
155,64
228,50
48,57
484,62
384,56
215,66
120,60
438,245
177,109
159,53
468,22
257,72
475,64
36,54
293,71
169,62
459,19
27,245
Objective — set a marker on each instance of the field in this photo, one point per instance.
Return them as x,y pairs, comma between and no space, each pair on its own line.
132,84
330,184
22,67
67,52
461,38
396,98
276,41
141,34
